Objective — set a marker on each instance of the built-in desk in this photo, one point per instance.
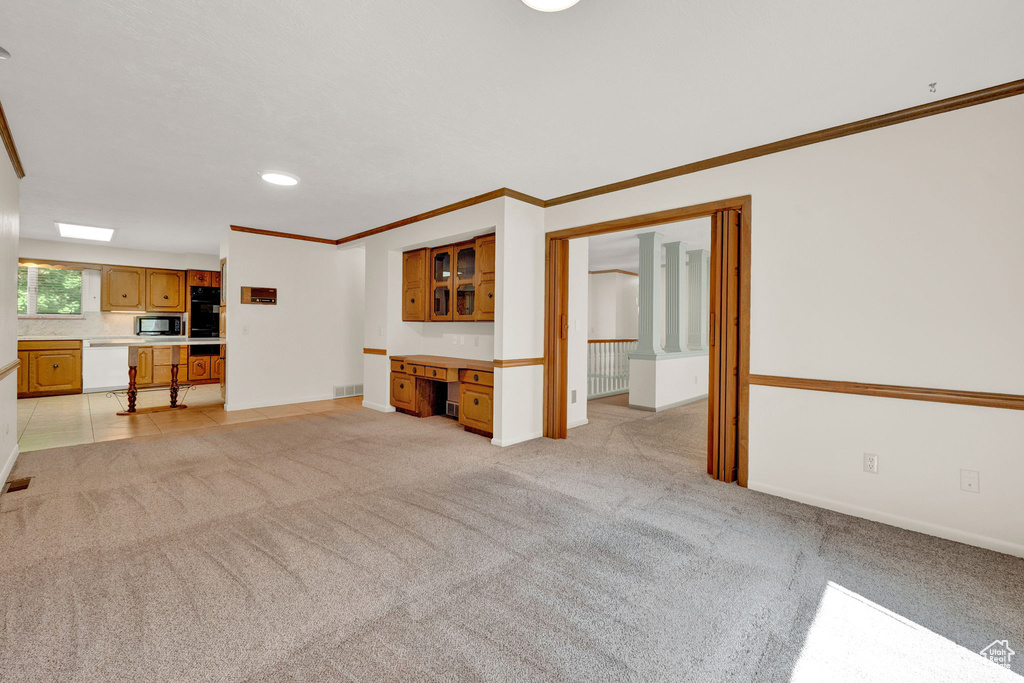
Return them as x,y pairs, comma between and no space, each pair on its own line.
419,386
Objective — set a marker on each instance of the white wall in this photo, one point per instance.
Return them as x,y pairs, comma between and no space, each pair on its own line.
579,303
891,257
613,305
307,344
672,381
114,256
9,194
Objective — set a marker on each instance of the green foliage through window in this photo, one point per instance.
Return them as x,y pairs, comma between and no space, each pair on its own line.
49,291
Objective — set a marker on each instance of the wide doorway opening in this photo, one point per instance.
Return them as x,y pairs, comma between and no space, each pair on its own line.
651,313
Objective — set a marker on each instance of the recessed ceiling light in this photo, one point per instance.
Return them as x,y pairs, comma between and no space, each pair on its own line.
280,178
4,54
84,232
550,5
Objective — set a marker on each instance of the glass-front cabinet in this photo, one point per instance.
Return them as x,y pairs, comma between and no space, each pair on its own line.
465,281
450,282
441,284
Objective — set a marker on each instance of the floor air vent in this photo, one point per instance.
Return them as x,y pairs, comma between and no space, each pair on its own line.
349,390
17,485
452,409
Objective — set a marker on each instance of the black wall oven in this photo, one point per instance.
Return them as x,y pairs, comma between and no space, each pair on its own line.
204,318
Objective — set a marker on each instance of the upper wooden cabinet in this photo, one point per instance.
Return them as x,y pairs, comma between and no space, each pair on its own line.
200,278
450,282
142,289
165,290
123,289
414,285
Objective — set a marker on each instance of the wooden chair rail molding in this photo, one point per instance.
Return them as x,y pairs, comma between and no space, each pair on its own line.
9,368
997,92
967,398
517,362
376,352
613,270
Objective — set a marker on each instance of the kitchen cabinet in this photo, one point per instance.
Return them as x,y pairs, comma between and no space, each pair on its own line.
200,368
414,285
144,369
23,372
203,278
123,289
453,282
165,290
50,368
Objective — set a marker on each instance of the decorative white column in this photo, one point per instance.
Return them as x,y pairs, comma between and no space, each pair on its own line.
675,296
651,309
698,270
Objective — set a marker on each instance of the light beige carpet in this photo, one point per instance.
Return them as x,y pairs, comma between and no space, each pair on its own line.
373,547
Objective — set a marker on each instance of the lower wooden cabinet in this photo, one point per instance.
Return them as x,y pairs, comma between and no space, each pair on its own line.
200,368
49,368
23,372
154,368
476,405
403,391
419,386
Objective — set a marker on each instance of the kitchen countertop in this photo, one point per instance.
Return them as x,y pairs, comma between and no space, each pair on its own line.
154,341
127,340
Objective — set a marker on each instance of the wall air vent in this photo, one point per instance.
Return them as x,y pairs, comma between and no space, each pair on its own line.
348,390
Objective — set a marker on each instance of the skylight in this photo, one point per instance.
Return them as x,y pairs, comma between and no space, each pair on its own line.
84,232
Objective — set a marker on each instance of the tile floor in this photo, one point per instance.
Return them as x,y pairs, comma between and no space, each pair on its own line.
55,421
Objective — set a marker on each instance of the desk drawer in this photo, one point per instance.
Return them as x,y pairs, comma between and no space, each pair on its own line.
401,366
477,377
440,374
403,391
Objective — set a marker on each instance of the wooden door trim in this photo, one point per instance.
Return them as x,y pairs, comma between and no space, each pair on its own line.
556,299
375,352
556,308
9,368
286,235
952,396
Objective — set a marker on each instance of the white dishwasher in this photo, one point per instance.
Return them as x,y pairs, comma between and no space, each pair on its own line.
104,369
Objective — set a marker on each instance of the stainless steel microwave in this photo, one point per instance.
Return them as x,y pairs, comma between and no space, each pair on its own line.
157,325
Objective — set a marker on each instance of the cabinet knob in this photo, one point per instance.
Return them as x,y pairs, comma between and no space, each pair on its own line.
55,366
412,301
476,378
435,373
402,366
490,295
476,401
401,386
124,296
166,297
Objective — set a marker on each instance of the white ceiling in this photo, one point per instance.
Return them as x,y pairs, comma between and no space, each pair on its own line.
621,250
154,117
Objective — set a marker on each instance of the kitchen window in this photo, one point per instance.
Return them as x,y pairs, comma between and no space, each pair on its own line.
49,292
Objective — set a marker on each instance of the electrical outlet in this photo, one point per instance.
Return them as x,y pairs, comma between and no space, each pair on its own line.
573,395
970,481
871,463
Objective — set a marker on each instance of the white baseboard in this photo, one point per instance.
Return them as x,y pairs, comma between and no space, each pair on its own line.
378,407
577,423
8,464
277,402
97,390
923,527
516,439
677,404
